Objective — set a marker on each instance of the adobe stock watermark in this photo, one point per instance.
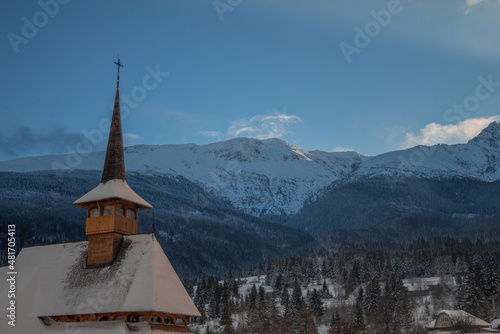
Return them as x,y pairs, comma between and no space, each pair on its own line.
223,6
11,274
95,137
30,28
373,28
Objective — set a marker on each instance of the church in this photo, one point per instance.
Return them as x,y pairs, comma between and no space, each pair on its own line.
118,281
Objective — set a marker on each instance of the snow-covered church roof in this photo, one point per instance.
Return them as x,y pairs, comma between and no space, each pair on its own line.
53,280
110,190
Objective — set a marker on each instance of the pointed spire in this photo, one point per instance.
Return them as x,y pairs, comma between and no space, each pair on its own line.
114,165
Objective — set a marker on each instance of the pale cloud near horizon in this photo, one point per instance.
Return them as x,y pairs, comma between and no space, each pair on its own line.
341,149
130,139
26,141
276,124
217,135
472,3
272,125
131,136
460,132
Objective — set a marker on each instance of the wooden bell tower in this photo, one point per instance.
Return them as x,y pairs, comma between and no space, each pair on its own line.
112,206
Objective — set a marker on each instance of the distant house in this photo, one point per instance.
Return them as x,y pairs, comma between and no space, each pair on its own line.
448,320
494,327
426,286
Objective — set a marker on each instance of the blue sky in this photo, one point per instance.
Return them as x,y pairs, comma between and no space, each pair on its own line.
203,71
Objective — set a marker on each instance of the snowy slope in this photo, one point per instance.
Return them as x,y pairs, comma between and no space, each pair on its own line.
478,159
258,176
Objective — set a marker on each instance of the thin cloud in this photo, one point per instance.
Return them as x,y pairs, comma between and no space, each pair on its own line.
460,132
212,134
342,149
274,125
131,136
471,3
130,139
24,141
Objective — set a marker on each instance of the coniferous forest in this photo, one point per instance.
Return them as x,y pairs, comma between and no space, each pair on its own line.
353,290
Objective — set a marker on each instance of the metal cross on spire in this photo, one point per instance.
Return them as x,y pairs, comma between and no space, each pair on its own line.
118,64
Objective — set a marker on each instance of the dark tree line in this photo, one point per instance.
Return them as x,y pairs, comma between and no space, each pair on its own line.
477,288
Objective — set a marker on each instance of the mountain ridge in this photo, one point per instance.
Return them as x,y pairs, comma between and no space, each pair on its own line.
259,176
272,177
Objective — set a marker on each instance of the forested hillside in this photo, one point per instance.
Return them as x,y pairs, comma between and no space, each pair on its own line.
412,206
200,233
352,290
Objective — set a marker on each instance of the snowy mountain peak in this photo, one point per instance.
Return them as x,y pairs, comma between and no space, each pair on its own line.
490,135
250,149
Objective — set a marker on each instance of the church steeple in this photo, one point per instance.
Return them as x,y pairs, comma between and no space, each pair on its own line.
112,206
114,165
